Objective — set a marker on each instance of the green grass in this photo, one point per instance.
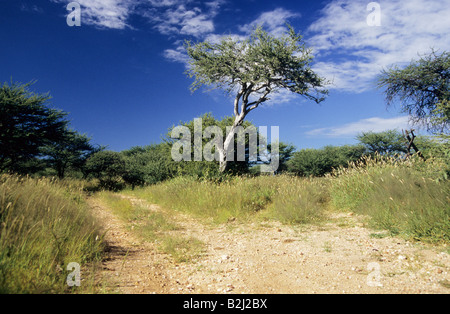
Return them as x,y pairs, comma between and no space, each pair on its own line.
154,226
121,207
404,198
399,197
183,250
44,226
300,201
285,198
289,199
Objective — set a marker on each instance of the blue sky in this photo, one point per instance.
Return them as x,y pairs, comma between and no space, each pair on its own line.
121,77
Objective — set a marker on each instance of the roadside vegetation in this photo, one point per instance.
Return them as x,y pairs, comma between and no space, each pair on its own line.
47,170
407,198
44,226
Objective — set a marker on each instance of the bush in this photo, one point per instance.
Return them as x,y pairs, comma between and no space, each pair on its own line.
318,162
147,165
108,167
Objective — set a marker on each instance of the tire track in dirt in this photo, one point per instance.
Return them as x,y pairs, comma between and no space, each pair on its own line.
131,266
268,257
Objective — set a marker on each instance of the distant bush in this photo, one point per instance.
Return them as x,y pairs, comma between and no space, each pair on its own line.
387,143
147,165
318,162
109,168
36,139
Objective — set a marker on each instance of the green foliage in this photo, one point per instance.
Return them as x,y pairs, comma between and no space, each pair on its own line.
34,136
71,151
201,169
44,226
263,61
391,143
285,153
318,162
26,125
147,165
254,69
441,115
109,168
423,89
137,166
387,143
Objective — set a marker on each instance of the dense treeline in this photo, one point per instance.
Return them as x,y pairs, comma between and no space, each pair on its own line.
36,140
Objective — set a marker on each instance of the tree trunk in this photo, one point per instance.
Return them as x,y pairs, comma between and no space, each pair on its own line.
229,140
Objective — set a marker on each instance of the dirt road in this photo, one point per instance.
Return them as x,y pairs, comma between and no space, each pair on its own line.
270,258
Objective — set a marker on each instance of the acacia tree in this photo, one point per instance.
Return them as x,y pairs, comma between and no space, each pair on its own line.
72,150
26,125
423,89
390,142
236,165
253,69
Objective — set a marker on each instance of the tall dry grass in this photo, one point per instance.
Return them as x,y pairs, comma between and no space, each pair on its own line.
403,197
289,199
408,198
44,226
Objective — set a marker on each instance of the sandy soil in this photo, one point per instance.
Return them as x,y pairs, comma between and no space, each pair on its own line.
271,258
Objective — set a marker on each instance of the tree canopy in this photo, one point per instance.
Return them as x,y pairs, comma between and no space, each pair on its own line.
423,89
33,135
386,143
253,69
26,124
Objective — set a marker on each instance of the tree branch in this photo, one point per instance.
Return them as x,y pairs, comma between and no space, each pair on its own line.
236,102
251,106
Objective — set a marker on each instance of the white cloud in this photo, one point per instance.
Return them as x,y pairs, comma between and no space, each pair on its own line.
197,26
177,17
170,17
353,53
273,21
365,125
177,55
105,13
165,3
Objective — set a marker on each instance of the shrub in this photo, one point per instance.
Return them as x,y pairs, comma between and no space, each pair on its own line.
108,167
318,162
